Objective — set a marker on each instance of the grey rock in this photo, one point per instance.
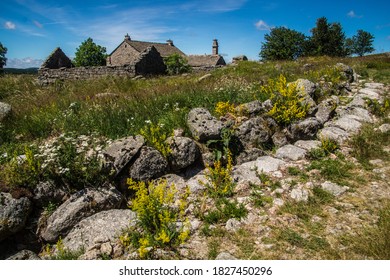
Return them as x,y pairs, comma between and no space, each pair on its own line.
13,214
251,108
46,192
357,113
306,86
299,194
346,71
232,225
369,93
149,165
80,205
306,129
326,109
254,132
308,144
377,86
225,256
264,164
184,152
5,110
204,77
306,90
249,155
347,123
333,188
267,105
384,128
245,173
203,125
358,101
290,152
333,133
24,255
197,184
105,225
122,151
279,138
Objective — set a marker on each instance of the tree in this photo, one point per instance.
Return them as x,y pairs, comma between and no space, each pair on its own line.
362,43
283,43
3,59
327,39
176,64
90,54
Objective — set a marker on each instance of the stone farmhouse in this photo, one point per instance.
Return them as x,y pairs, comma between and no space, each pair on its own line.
130,59
129,51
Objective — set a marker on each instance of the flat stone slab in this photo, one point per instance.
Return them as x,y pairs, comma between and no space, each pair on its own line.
103,226
377,86
357,113
290,152
384,128
333,188
347,123
265,164
333,133
308,144
370,93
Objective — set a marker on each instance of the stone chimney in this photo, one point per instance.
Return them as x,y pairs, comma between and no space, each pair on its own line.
127,37
170,42
215,47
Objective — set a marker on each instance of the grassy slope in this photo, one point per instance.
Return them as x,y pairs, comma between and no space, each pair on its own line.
42,112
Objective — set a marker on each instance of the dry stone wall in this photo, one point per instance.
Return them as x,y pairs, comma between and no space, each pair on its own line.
48,76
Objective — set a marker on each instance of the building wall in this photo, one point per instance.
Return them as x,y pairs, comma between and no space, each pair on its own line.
123,55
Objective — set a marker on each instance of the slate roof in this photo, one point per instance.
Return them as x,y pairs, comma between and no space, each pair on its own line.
164,49
205,60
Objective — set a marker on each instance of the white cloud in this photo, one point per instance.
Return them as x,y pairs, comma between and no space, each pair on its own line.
262,25
352,14
23,63
37,24
10,25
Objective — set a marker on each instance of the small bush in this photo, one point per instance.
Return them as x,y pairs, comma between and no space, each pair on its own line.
156,137
22,170
287,105
176,64
161,222
220,182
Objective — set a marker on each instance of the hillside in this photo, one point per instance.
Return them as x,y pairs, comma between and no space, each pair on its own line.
281,160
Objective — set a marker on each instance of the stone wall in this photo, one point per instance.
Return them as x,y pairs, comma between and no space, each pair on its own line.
48,76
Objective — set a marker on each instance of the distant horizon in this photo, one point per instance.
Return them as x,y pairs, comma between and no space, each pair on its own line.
32,29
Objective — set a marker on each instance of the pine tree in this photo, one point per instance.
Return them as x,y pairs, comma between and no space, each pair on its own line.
362,43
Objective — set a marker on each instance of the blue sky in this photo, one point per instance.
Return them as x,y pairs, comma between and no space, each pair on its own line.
32,29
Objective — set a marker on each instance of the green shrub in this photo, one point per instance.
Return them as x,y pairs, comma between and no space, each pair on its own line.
157,218
22,170
287,105
176,64
156,137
